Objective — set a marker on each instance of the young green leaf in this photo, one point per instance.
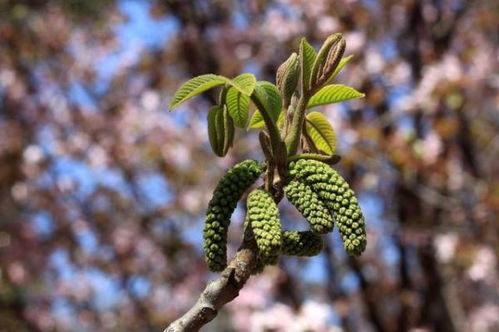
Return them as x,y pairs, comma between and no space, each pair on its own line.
327,60
228,127
256,121
333,93
238,106
196,86
307,59
287,77
244,83
270,98
342,64
321,132
213,135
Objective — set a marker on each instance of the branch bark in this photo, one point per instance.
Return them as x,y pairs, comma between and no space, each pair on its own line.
220,291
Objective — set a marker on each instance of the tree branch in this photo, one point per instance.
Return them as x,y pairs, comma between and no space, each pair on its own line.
220,291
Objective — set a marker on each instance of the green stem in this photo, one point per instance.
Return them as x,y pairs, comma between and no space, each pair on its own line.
275,136
320,157
294,135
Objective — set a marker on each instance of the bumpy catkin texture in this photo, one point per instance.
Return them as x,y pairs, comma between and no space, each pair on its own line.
225,197
301,243
263,217
335,192
308,203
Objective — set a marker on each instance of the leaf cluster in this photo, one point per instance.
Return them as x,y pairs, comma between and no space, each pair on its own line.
287,126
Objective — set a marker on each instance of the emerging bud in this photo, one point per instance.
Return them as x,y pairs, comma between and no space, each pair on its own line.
287,78
327,60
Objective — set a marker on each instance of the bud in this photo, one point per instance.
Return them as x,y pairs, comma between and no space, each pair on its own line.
327,60
287,78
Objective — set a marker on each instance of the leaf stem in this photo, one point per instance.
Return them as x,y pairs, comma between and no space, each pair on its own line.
298,117
275,136
332,159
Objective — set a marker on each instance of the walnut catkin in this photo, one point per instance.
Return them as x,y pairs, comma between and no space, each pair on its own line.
310,206
228,192
263,218
335,192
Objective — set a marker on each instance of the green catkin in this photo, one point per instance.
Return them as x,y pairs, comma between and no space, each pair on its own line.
228,192
335,192
301,243
310,206
263,217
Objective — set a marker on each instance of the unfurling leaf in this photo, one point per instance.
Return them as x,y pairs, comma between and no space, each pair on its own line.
220,130
333,93
196,86
256,121
269,98
244,83
228,127
307,58
321,132
212,129
287,78
342,64
327,60
238,106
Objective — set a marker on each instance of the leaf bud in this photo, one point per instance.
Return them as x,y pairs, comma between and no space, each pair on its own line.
287,78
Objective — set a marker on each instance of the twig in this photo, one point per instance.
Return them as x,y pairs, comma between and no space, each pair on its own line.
220,291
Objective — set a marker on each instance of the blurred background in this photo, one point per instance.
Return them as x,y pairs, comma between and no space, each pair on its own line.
103,191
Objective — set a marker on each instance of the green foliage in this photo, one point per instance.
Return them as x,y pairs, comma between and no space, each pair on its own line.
220,130
340,66
310,206
267,99
263,218
228,131
287,78
228,192
216,142
318,192
238,106
307,59
335,192
195,86
327,60
244,83
301,243
321,132
333,93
